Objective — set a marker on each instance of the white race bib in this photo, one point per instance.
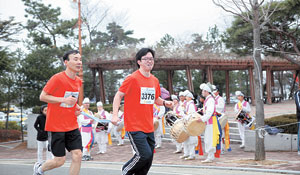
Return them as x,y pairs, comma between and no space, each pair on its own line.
147,95
67,94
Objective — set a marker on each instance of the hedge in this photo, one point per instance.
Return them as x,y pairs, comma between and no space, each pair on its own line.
12,125
8,135
283,120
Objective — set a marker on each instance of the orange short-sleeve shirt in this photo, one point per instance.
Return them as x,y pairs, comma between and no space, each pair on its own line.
140,95
61,117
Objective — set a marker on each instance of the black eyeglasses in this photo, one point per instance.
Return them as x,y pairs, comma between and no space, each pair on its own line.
147,58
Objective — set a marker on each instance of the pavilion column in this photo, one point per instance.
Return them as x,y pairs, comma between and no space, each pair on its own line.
101,84
94,82
227,86
189,78
170,80
252,92
269,91
299,80
209,74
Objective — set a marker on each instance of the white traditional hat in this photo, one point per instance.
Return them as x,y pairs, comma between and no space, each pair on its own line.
189,94
174,97
86,100
239,93
181,93
205,87
99,103
186,92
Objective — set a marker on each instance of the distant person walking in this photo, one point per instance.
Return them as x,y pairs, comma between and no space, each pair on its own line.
42,135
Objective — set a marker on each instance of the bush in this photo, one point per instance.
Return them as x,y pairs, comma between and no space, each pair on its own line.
36,109
8,135
283,120
12,125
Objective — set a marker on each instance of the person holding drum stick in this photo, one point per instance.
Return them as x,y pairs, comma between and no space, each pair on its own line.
86,130
190,144
177,109
140,91
220,109
241,106
212,130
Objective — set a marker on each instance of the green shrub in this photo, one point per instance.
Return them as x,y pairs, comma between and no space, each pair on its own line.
107,107
7,135
36,109
12,125
283,120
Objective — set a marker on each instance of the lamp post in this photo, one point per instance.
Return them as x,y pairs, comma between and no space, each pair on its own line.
21,105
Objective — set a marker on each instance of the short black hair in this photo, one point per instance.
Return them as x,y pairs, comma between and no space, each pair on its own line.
43,107
142,53
66,55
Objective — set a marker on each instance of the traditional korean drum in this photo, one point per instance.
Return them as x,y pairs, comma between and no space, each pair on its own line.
194,127
155,123
171,118
177,131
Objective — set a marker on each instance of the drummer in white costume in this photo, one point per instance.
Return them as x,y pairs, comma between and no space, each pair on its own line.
244,106
101,131
158,112
118,134
220,109
209,110
86,130
177,109
190,144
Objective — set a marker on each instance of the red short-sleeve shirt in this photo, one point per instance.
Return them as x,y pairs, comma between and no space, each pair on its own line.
61,117
140,95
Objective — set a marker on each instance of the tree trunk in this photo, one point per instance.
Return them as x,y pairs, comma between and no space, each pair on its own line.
259,146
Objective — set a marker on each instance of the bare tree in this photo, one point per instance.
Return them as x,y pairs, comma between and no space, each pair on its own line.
257,13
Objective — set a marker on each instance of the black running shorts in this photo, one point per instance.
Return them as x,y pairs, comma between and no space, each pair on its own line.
59,141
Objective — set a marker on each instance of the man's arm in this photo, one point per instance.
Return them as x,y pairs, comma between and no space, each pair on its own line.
116,105
160,102
45,97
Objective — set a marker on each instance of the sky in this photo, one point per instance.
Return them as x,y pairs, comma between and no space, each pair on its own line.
148,19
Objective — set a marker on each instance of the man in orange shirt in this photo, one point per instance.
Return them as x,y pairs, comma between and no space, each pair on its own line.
61,93
140,91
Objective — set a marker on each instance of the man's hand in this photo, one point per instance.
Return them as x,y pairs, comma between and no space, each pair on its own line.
169,104
115,120
77,110
70,100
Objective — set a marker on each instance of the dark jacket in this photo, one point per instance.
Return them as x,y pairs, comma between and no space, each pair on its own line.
297,101
39,125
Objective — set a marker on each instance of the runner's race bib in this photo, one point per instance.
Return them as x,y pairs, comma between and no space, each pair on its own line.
67,94
147,95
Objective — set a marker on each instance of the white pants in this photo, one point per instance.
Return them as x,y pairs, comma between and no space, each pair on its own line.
86,138
118,135
158,133
179,146
40,148
102,140
208,141
189,146
242,128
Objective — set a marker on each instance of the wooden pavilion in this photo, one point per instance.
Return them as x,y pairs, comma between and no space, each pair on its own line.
207,65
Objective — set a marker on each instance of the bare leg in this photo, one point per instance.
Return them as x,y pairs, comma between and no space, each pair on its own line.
53,163
76,162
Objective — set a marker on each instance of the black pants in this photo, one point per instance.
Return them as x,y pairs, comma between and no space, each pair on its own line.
143,146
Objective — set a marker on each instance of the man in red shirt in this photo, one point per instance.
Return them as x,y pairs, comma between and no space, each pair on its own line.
140,91
61,93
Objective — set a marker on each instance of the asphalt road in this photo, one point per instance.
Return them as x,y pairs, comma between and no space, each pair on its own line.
17,167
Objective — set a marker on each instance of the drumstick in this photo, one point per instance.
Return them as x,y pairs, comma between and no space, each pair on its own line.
95,118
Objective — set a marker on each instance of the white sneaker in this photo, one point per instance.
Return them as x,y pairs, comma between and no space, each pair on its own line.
183,157
36,167
158,146
207,161
242,146
190,158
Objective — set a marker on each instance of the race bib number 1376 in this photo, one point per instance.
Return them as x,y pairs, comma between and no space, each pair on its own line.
147,95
